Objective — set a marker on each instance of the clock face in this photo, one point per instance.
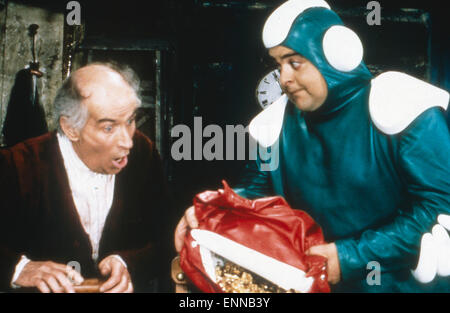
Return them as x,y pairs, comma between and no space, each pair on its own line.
268,89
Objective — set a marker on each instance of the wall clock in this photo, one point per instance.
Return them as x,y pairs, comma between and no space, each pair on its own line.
268,89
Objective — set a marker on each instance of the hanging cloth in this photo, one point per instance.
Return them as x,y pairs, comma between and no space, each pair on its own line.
25,116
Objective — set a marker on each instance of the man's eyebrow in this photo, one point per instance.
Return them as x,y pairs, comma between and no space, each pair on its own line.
103,120
291,54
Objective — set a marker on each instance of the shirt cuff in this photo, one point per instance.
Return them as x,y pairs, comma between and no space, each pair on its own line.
19,267
120,259
350,261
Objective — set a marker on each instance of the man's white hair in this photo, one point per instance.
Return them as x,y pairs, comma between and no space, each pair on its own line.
68,98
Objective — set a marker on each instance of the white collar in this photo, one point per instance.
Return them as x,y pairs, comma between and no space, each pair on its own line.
73,163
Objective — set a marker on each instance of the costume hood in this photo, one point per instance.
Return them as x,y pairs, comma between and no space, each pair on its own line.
310,28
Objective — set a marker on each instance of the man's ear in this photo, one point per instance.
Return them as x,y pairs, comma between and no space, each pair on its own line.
71,133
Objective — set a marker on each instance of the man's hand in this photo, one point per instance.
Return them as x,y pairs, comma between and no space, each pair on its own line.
49,277
187,221
330,252
119,279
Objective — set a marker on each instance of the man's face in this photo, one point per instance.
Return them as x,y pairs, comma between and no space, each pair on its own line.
300,79
106,139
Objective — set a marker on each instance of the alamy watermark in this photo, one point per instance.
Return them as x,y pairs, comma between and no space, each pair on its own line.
373,17
70,267
190,145
74,16
374,276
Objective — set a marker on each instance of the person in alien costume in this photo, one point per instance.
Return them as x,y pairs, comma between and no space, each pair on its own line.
368,158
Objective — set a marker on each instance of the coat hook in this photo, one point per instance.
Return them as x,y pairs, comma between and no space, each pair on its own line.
34,64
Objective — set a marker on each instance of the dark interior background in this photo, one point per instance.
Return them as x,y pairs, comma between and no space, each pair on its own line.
212,58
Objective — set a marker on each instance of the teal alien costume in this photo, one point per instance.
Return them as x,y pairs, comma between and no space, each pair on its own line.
371,165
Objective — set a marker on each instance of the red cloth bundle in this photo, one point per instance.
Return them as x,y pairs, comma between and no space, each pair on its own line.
267,225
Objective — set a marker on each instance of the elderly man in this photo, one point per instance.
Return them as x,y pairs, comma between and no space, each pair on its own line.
367,158
90,194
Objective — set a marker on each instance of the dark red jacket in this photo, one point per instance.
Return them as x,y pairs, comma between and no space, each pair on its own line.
38,217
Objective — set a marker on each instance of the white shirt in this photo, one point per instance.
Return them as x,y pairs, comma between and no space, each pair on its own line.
92,195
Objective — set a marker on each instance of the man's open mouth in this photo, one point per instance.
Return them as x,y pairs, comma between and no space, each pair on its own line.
120,162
